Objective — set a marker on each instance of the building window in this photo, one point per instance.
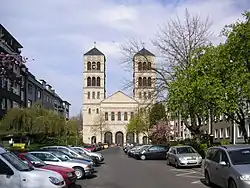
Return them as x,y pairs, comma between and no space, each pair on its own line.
125,116
3,105
139,66
144,81
30,88
39,94
88,81
89,111
98,95
149,95
221,133
93,65
93,95
216,133
97,110
144,66
93,81
149,66
221,117
227,132
89,66
16,105
112,116
29,103
88,95
22,95
119,118
145,95
98,81
239,132
139,81
149,82
98,66
106,116
139,95
131,115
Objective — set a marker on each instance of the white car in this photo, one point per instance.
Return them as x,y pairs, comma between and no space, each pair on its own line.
14,173
82,168
89,153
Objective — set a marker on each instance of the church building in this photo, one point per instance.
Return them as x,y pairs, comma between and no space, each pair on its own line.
105,117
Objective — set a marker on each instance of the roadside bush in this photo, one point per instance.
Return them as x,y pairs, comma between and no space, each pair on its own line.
225,142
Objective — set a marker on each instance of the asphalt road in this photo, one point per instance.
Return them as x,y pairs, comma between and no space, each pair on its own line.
119,171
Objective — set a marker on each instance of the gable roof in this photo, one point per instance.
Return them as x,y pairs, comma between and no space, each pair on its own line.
119,97
94,51
144,52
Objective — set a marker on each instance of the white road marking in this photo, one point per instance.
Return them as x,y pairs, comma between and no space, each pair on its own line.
184,174
195,182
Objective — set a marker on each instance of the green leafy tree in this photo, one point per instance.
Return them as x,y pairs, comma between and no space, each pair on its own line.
157,112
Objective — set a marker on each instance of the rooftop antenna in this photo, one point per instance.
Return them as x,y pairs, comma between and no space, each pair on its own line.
94,44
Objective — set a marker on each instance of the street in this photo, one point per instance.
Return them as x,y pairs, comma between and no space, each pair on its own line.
119,171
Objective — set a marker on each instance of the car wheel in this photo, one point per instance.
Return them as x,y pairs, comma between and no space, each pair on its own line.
80,173
143,157
176,164
207,179
232,184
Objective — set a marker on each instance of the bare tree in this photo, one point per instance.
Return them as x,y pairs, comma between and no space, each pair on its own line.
177,43
99,126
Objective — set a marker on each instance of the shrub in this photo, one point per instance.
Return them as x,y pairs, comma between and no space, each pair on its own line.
225,142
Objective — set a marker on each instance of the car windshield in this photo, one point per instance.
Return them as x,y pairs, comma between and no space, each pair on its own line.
240,157
34,160
16,162
60,155
183,150
144,147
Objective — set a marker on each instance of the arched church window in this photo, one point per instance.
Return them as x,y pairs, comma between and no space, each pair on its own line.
149,65
145,95
89,66
144,81
88,95
125,116
94,65
93,95
97,110
98,95
89,110
139,81
98,81
98,66
144,66
119,118
139,66
149,81
112,116
88,81
93,81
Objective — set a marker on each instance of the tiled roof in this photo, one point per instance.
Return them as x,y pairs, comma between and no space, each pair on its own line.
144,52
94,51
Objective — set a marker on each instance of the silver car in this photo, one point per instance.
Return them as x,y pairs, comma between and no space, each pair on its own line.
183,156
228,166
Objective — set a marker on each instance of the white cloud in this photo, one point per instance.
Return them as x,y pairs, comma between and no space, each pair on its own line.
57,33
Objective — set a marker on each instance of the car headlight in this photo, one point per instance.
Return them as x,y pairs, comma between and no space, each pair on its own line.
55,181
182,159
245,178
69,174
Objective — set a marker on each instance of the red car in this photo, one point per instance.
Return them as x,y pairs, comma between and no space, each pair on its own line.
90,147
68,174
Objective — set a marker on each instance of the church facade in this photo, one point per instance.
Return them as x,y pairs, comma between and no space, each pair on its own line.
105,118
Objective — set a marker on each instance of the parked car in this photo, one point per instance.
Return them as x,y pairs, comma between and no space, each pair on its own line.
90,147
136,153
82,168
99,156
14,173
67,173
131,150
228,166
94,158
154,152
183,156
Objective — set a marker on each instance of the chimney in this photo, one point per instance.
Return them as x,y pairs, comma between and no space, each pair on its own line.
43,82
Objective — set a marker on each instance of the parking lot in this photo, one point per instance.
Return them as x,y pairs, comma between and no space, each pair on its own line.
119,171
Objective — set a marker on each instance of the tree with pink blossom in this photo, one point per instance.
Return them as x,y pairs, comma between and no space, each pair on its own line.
161,132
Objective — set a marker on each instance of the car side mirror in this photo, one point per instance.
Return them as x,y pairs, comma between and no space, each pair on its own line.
223,163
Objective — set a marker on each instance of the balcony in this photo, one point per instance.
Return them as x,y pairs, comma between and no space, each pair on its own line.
9,50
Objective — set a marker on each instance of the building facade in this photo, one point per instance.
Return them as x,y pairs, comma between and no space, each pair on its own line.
105,118
30,90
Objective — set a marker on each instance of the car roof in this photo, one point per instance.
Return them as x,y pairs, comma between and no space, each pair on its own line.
2,150
234,147
184,146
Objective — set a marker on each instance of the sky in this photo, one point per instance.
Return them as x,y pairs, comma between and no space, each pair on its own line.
56,34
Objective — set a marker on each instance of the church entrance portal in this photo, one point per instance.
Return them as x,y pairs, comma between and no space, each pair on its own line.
93,140
130,138
108,138
119,138
145,140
